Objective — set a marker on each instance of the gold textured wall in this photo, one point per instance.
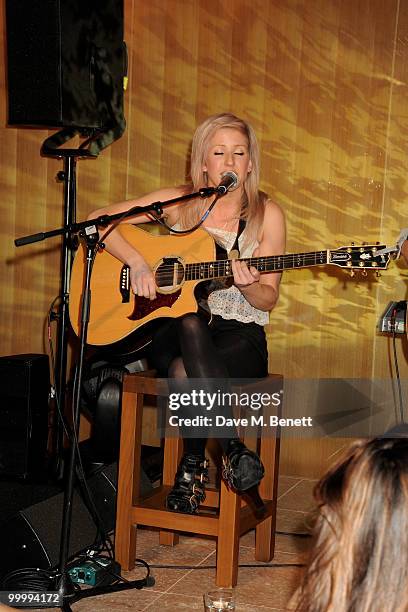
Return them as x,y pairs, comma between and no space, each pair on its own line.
324,83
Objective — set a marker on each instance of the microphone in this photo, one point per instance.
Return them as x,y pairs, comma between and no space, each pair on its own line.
229,181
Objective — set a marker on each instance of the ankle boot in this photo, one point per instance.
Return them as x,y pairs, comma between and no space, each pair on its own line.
242,472
189,485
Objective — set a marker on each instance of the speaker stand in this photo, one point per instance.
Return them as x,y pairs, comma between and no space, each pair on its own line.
68,176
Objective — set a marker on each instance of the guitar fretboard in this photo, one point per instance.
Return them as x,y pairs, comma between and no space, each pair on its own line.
275,263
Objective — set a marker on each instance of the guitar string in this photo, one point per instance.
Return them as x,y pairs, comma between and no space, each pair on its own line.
225,263
226,270
223,267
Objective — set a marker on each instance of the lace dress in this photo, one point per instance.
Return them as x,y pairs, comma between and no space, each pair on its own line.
230,303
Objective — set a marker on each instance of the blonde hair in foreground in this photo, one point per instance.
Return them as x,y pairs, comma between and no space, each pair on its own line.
359,562
252,206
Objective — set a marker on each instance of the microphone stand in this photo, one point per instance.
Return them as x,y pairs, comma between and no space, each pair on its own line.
88,231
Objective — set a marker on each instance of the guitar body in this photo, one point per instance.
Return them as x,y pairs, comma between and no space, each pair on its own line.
115,311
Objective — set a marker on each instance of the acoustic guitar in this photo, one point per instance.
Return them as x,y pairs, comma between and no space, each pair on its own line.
179,264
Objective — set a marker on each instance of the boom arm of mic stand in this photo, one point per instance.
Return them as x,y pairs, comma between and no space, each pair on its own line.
104,220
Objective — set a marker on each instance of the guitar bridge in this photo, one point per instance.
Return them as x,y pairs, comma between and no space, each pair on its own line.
124,284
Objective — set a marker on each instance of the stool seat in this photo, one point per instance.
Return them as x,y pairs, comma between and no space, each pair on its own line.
224,514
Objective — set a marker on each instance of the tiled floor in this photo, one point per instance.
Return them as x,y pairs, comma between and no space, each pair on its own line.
260,588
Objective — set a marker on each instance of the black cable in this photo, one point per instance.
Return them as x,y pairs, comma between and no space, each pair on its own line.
199,567
139,562
297,534
101,534
105,542
65,425
191,229
102,540
30,579
396,365
100,244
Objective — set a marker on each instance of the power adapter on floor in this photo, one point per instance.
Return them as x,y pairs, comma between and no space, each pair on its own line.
393,319
98,571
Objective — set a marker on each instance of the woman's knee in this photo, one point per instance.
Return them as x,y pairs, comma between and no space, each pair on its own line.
191,323
177,369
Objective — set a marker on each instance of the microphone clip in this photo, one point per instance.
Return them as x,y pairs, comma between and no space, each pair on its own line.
206,192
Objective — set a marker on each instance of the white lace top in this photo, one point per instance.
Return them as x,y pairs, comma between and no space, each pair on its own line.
230,303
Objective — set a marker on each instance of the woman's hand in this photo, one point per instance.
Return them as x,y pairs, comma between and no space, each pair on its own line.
244,276
142,279
404,250
262,291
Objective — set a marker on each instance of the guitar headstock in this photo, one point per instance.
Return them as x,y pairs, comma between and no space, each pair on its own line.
360,257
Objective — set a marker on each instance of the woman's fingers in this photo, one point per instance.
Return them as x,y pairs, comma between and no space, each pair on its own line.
142,281
244,276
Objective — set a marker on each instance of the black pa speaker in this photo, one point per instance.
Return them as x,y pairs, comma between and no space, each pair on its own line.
66,62
24,392
31,538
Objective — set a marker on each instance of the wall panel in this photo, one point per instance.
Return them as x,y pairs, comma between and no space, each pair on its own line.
324,83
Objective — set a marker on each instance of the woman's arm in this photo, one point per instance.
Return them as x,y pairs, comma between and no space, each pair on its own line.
141,276
404,251
262,290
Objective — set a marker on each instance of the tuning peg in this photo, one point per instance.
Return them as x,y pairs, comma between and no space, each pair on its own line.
352,273
377,273
352,243
364,272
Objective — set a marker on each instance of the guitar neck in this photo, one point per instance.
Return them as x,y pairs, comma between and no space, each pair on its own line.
274,263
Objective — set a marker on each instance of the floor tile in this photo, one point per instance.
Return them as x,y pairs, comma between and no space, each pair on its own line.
172,602
260,588
291,544
136,600
286,483
257,586
294,521
179,558
299,497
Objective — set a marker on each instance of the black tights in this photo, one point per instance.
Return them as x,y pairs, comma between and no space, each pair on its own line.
189,348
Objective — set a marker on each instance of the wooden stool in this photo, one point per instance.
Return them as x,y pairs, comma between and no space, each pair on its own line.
232,518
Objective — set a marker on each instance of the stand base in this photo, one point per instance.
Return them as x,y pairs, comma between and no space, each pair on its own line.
103,590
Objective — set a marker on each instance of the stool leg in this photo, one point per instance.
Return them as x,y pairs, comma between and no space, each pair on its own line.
228,538
128,478
268,489
173,448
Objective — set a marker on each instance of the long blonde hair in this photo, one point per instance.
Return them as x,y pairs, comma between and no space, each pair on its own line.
359,562
253,203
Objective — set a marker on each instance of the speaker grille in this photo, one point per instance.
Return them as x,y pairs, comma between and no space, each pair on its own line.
31,538
24,391
61,54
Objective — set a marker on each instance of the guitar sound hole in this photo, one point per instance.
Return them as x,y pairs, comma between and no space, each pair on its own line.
170,273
